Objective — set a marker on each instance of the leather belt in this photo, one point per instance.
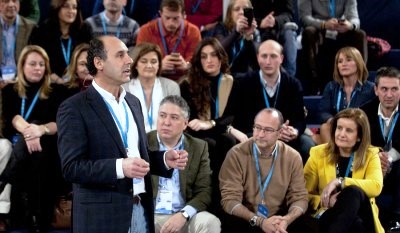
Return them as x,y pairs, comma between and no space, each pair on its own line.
136,199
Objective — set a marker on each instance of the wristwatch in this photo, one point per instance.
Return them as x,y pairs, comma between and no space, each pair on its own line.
253,221
185,214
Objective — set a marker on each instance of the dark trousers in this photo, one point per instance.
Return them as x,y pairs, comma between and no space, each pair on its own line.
319,53
389,200
352,213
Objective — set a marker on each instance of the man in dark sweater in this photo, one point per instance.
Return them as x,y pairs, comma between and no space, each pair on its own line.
271,87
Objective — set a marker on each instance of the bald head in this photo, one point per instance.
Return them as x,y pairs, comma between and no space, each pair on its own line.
270,58
270,45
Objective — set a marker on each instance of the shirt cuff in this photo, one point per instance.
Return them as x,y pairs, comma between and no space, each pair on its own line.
165,161
120,171
190,210
394,154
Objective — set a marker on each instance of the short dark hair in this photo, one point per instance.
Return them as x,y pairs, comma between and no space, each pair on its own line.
96,49
178,101
142,49
386,71
173,5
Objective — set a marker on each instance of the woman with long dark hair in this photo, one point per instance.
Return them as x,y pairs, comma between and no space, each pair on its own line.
60,34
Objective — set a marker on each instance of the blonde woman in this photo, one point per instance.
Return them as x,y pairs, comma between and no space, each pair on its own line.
344,176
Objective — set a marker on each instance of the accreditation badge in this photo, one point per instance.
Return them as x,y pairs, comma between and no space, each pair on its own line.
262,210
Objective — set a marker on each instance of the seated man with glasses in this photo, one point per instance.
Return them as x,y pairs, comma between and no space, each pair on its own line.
262,182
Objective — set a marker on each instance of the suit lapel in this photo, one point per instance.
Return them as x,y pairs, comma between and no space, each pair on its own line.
183,173
95,100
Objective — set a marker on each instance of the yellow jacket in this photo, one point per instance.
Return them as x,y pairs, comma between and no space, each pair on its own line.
318,173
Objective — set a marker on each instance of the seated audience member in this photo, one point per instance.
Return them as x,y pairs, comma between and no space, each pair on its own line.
236,35
275,21
141,10
272,87
146,83
182,200
344,176
60,34
205,14
176,37
211,92
34,168
77,75
15,30
262,182
348,89
328,26
5,203
111,21
383,114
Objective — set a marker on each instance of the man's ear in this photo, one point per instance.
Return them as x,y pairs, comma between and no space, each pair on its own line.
98,63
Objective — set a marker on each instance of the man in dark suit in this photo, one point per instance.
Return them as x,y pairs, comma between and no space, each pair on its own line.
188,191
383,114
103,148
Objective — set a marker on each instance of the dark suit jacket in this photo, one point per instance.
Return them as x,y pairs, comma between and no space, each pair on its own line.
25,27
195,180
290,101
89,144
371,109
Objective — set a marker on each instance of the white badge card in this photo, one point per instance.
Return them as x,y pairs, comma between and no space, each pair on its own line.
331,34
8,73
164,202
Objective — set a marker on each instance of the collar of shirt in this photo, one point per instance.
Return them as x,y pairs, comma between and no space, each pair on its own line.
121,17
164,148
6,26
107,95
271,90
387,119
270,155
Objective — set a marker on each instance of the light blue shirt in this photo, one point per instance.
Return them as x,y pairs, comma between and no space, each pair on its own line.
172,184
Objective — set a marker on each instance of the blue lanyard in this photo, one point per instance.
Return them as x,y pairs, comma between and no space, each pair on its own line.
149,111
196,6
216,98
235,53
340,97
66,52
12,48
103,22
166,50
265,93
349,165
28,113
131,8
332,8
271,171
388,138
124,134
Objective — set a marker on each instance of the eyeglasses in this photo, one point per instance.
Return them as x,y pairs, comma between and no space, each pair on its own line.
266,130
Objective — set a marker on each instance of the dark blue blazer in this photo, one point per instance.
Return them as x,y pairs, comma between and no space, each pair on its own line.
89,144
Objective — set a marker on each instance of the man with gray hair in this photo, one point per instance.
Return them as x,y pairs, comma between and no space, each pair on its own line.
182,200
261,180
